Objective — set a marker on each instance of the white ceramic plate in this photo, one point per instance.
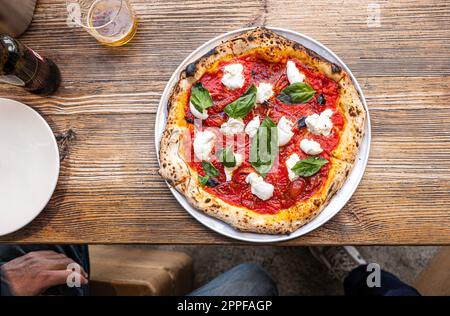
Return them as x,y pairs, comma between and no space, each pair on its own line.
341,197
29,165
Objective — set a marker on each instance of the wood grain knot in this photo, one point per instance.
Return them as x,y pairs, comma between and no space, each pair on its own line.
64,140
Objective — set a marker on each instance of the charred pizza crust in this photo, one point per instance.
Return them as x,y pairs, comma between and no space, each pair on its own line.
271,47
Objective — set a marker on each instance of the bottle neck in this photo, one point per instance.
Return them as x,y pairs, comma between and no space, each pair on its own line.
18,64
9,54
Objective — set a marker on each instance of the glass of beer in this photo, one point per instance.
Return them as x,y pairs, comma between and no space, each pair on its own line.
111,22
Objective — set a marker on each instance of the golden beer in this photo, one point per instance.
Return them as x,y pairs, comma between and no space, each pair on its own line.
111,22
114,22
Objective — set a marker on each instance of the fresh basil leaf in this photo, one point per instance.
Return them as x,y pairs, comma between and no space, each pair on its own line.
210,169
299,92
264,147
242,106
203,180
200,97
227,158
309,166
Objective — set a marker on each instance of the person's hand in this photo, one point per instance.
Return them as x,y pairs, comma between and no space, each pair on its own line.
37,271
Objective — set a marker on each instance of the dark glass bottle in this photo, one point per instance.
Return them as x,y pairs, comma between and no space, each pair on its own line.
20,65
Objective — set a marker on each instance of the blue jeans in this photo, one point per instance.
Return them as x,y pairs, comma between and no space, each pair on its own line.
251,280
246,279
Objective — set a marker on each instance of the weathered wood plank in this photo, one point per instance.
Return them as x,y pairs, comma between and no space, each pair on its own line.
412,39
109,183
382,93
109,190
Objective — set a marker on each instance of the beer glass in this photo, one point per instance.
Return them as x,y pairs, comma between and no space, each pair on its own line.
111,22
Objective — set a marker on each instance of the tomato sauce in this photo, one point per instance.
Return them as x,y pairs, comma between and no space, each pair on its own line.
286,193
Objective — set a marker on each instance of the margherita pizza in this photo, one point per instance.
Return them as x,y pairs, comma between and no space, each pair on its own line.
261,132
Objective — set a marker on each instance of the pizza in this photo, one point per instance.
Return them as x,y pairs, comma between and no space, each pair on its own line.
261,132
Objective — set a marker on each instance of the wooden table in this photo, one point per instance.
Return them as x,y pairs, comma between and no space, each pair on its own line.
109,190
